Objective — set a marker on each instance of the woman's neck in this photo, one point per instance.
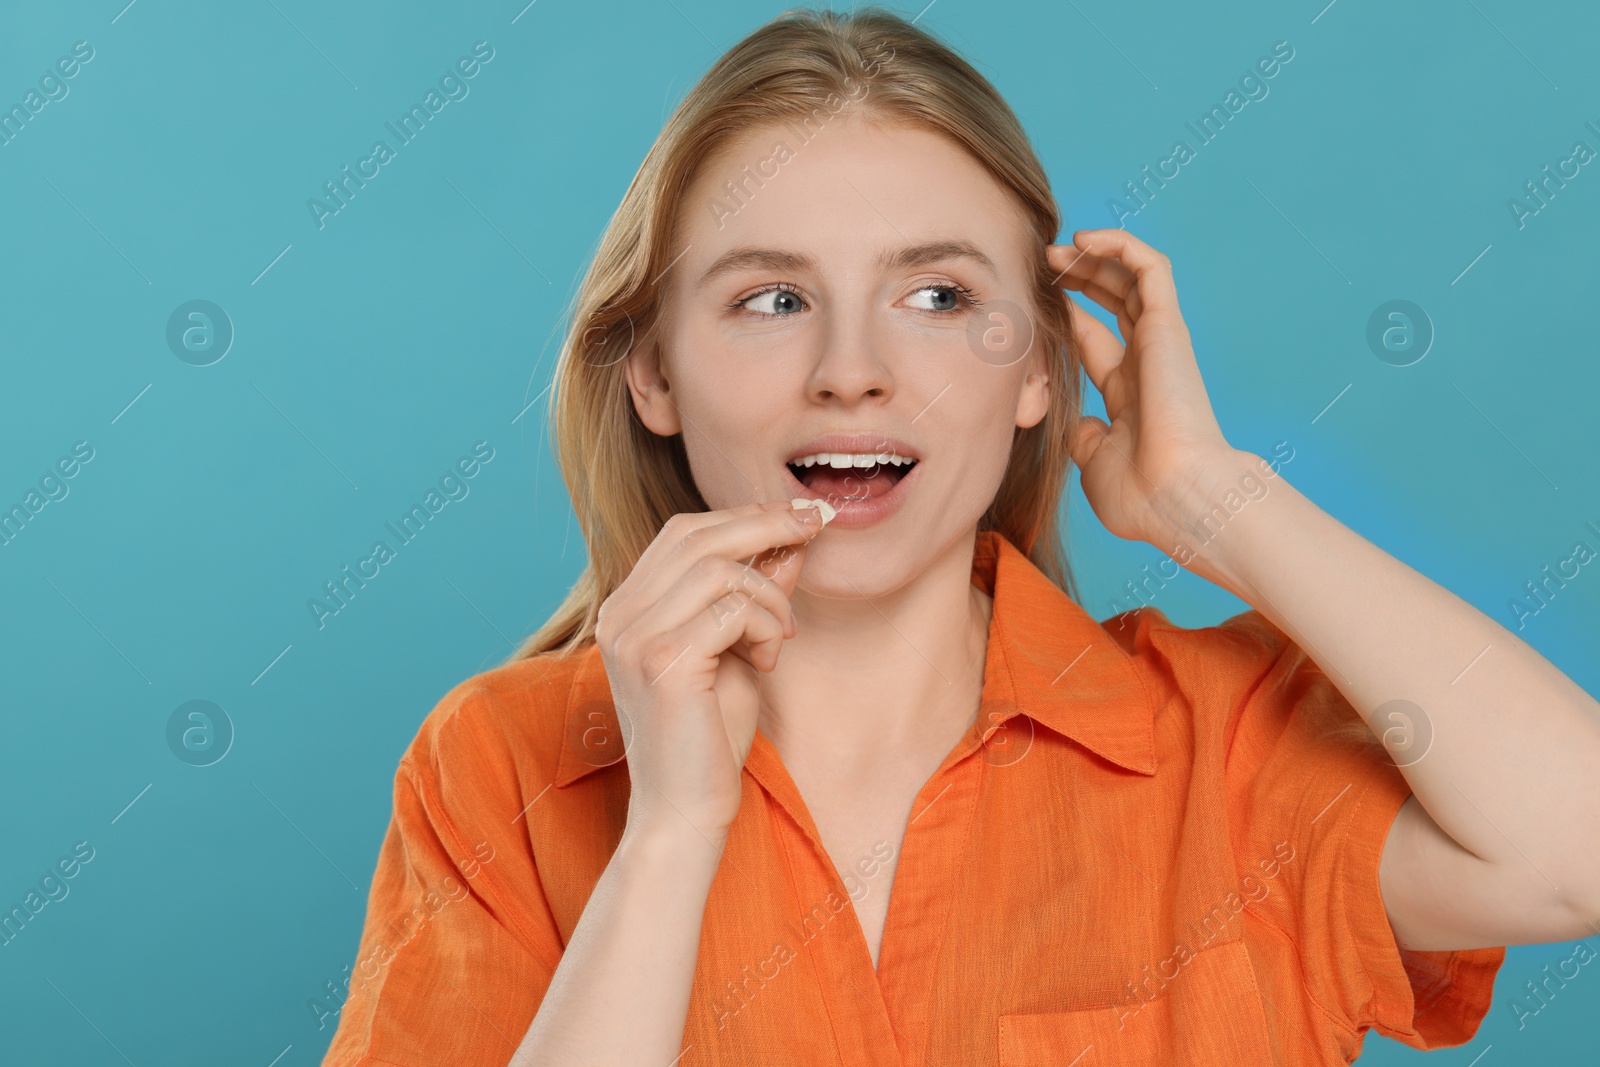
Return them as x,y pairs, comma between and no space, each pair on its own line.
897,674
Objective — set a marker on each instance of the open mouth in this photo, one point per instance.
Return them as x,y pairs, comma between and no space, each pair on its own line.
836,476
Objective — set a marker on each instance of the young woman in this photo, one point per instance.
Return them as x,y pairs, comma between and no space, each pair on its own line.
860,782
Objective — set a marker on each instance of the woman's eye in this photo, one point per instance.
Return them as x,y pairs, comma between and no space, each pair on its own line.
942,298
773,302
781,301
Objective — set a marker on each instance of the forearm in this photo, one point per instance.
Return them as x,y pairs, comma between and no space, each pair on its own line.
1515,745
621,992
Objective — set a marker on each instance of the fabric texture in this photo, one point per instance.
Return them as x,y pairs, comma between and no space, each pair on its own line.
1140,853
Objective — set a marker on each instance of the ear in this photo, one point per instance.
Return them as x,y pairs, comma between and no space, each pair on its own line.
651,391
1033,403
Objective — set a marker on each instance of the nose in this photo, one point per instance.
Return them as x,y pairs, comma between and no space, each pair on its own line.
851,365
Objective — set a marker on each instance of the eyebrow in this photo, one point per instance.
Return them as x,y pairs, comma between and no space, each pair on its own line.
750,258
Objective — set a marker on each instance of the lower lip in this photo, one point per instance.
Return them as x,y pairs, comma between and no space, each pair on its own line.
854,514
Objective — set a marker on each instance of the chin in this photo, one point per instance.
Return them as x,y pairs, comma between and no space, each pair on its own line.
870,563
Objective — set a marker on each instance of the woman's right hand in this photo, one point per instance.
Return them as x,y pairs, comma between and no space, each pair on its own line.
705,607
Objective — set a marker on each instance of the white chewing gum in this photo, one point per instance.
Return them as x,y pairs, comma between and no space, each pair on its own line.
821,505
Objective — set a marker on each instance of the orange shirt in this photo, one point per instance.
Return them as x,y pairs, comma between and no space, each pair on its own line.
1137,855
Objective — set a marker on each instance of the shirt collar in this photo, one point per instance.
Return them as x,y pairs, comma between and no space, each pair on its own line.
1050,660
1047,659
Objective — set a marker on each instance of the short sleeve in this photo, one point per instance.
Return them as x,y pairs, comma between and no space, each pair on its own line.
458,946
1327,804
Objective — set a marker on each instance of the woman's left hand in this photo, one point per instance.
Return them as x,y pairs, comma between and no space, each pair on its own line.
1144,473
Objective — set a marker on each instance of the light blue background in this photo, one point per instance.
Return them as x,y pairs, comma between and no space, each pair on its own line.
426,315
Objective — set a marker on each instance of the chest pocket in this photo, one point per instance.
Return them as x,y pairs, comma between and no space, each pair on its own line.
1209,1013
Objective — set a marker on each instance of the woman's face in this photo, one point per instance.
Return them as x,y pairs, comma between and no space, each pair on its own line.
831,297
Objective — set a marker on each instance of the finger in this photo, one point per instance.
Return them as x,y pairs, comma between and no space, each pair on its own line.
1108,283
759,579
1087,439
734,624
709,580
1099,347
750,531
686,522
1063,258
1114,304
762,641
1152,270
1080,267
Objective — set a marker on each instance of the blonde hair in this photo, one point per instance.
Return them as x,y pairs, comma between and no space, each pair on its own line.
626,481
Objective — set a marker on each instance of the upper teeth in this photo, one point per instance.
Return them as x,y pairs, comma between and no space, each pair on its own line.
851,459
